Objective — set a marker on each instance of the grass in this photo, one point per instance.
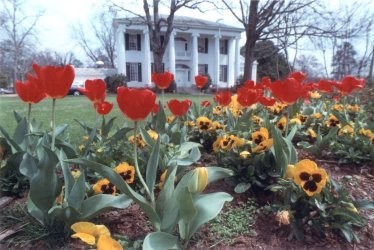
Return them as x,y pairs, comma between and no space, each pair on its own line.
68,109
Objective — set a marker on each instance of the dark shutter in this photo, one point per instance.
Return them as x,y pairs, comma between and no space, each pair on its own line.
139,40
128,72
162,38
225,72
206,69
127,46
139,72
226,46
206,45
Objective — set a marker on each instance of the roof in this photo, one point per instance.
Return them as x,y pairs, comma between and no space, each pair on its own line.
94,71
183,22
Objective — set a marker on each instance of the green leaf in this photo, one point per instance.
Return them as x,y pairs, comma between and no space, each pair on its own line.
187,212
242,187
107,126
35,211
120,184
15,146
146,137
364,204
67,148
292,133
186,160
69,215
20,132
160,119
78,192
17,116
279,147
161,241
325,141
119,135
151,171
68,177
28,166
208,207
45,185
217,173
60,130
102,202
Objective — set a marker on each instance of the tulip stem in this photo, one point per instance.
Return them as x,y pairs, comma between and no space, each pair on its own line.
287,120
28,119
53,124
163,97
137,165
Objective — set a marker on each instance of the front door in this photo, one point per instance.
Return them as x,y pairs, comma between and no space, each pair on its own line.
181,77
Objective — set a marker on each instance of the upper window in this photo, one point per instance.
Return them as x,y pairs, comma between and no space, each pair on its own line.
133,41
202,44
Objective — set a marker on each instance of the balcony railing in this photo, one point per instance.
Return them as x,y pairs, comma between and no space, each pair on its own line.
183,53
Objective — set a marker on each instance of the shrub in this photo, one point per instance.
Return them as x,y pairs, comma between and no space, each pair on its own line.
115,81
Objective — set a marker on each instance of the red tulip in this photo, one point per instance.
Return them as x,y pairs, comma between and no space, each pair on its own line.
266,82
103,108
223,98
30,90
136,104
325,86
179,108
266,101
95,90
248,96
298,76
162,80
56,81
200,81
350,83
205,103
155,108
287,91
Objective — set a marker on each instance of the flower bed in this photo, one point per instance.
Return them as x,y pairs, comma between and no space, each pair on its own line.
264,145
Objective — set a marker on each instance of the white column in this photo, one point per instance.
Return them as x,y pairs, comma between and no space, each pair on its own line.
121,54
231,64
254,71
195,55
216,59
172,53
237,58
147,59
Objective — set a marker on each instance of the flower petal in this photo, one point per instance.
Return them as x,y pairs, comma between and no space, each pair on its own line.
87,238
106,242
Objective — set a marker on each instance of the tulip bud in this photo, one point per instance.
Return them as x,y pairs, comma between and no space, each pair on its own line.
289,172
199,180
351,207
283,217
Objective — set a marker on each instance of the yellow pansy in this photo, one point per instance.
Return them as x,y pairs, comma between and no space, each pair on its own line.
317,116
346,130
126,171
281,124
332,121
244,155
170,119
153,134
263,146
259,136
217,126
310,177
104,186
203,123
314,94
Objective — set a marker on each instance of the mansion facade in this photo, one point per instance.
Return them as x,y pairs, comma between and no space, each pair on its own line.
195,47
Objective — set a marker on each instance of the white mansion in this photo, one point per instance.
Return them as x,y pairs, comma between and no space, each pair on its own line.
196,47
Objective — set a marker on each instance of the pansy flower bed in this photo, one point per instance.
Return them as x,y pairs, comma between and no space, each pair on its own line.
176,164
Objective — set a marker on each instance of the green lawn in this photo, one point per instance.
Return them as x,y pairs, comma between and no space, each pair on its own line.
68,109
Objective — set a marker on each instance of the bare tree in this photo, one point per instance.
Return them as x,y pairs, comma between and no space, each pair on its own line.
155,23
285,21
17,34
100,46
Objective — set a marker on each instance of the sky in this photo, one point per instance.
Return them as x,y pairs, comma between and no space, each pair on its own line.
55,25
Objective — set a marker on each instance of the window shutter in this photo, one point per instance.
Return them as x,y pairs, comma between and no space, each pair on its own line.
139,72
225,72
226,46
206,45
206,69
128,78
127,46
139,40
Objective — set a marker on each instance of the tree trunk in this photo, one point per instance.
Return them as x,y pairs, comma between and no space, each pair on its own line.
251,40
370,76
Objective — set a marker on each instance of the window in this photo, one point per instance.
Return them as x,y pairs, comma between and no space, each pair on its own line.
203,69
134,72
202,45
223,73
223,44
133,41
